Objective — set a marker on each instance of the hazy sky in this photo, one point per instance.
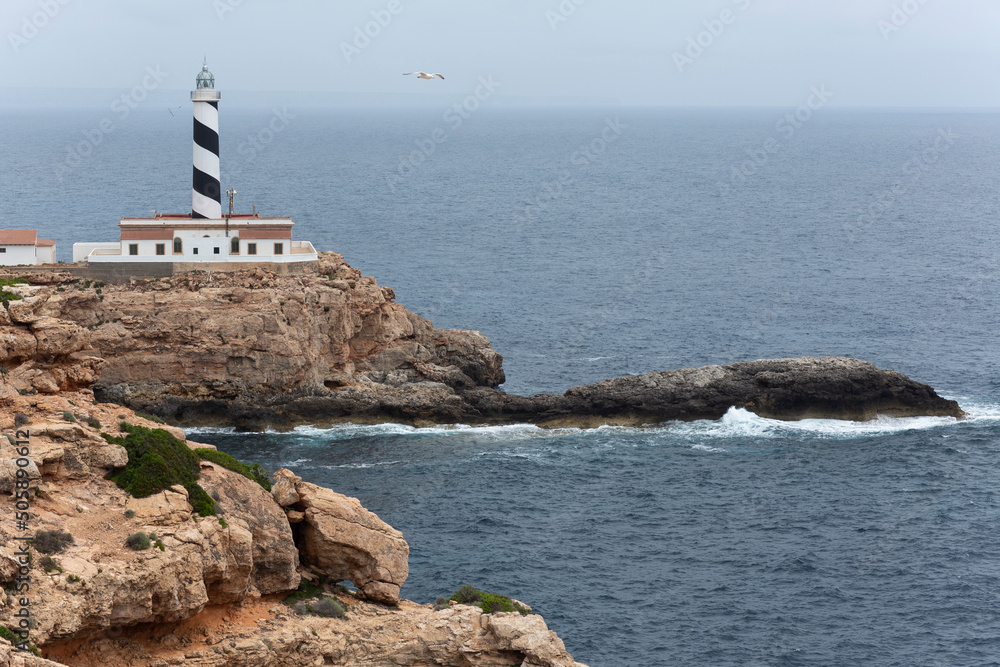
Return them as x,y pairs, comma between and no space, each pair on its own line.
751,52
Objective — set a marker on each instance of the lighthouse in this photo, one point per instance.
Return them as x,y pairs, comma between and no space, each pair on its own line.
169,244
206,197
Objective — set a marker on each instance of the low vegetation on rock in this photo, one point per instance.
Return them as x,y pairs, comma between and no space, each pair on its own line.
5,296
51,541
312,598
157,461
49,564
13,638
138,541
253,472
490,603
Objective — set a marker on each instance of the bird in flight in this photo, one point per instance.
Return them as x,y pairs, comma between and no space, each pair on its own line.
425,75
171,110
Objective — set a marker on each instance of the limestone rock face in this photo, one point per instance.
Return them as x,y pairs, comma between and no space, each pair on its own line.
11,657
345,541
274,557
103,585
233,346
284,487
409,635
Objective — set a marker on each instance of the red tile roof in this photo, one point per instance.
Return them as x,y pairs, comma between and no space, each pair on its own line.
45,243
18,236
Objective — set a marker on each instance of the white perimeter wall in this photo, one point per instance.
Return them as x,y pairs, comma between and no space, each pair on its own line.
81,250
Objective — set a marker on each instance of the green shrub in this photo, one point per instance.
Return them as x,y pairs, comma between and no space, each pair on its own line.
200,501
159,545
51,541
254,471
490,603
93,423
441,603
156,461
330,608
49,564
11,439
129,514
5,296
306,590
13,638
222,522
152,418
467,595
68,416
138,541
74,579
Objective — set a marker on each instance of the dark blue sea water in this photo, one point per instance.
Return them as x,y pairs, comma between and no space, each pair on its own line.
588,244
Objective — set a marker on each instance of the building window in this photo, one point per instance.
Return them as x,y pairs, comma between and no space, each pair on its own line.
161,248
133,248
178,247
251,248
3,250
194,250
215,251
234,246
279,248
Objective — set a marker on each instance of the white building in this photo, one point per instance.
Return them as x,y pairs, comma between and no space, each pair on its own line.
183,239
20,247
206,238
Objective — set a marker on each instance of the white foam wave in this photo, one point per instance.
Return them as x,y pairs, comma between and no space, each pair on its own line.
504,432
361,466
296,463
706,448
741,423
209,430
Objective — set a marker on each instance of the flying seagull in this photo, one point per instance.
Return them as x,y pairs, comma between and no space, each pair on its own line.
425,75
171,111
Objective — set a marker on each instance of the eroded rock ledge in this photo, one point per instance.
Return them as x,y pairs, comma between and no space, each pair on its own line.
255,349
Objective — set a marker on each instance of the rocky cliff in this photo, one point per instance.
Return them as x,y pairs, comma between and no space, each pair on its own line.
255,349
208,587
209,591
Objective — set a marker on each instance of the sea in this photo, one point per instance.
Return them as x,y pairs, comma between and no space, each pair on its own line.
589,243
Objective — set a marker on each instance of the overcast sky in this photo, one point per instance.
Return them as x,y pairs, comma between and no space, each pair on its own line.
939,53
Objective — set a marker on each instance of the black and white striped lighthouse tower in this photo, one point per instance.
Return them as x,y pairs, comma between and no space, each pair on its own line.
206,199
